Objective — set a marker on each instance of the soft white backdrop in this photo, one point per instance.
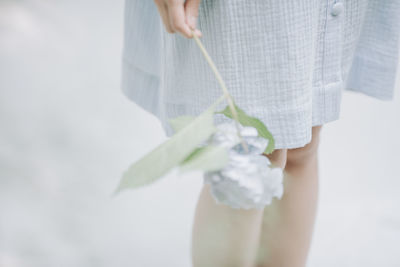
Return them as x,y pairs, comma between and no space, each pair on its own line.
67,133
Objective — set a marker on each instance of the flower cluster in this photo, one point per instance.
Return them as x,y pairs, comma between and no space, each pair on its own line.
248,180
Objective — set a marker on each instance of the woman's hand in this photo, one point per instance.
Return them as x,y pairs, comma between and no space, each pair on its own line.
179,16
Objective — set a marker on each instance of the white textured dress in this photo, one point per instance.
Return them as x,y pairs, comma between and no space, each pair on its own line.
285,62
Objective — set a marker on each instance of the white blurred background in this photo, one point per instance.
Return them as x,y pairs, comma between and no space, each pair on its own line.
67,133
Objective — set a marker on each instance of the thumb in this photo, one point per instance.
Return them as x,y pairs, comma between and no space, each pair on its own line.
192,13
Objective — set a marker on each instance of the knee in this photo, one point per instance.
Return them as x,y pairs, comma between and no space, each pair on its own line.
288,158
303,155
277,158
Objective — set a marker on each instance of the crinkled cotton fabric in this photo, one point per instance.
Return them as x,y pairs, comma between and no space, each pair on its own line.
284,62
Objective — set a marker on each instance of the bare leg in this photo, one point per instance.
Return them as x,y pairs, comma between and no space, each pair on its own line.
288,223
222,236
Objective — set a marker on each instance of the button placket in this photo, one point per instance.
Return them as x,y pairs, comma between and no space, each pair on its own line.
337,8
333,42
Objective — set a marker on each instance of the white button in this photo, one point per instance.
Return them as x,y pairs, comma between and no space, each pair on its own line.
337,8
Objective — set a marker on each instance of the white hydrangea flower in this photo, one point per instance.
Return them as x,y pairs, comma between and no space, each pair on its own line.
247,181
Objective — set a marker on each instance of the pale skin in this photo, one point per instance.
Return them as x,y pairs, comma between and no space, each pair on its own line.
279,235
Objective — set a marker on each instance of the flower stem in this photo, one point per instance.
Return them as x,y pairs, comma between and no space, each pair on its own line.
224,89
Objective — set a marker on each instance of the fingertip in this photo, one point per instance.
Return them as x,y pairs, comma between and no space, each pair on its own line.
197,33
188,32
184,30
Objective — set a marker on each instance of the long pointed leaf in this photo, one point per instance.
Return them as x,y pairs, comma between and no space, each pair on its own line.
207,158
169,154
181,122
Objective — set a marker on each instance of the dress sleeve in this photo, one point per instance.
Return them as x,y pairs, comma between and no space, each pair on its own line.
142,52
374,68
142,38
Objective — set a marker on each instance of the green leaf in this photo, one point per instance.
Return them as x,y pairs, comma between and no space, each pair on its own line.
207,158
171,153
247,120
180,122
